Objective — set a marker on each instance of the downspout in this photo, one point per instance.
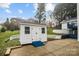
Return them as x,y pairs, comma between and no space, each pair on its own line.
78,20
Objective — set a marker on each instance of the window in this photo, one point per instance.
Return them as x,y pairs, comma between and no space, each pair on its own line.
43,30
27,30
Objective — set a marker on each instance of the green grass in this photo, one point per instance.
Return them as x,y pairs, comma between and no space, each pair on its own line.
4,42
7,34
49,30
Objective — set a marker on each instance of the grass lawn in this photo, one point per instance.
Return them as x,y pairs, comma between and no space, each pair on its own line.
50,31
4,36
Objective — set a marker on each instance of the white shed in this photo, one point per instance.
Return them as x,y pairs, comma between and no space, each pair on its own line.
30,32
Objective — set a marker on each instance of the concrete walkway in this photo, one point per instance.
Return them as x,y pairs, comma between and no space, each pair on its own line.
65,47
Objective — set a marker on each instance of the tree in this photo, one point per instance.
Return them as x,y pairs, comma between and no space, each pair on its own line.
40,15
65,11
7,24
12,25
3,29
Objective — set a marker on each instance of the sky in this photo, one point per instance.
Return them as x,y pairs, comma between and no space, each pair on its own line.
19,10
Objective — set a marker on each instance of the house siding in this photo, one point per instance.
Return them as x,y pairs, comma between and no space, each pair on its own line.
64,26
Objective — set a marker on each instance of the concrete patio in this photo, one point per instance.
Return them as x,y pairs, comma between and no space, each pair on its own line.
64,47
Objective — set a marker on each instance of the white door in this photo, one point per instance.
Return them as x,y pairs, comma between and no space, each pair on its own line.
35,34
27,35
43,34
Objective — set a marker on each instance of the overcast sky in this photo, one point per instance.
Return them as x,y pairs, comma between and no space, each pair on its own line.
20,10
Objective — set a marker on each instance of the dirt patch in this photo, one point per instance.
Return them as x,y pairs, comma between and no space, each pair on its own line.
65,47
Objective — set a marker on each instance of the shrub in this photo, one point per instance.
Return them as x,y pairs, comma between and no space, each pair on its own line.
12,29
3,29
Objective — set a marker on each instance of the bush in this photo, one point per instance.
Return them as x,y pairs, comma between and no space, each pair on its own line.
12,29
3,29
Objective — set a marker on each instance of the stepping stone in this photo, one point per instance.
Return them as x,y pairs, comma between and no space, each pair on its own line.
8,51
37,43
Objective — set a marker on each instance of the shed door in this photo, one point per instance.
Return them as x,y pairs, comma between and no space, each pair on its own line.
43,34
27,35
35,33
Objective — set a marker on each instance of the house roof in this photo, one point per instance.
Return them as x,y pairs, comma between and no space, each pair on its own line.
0,24
70,20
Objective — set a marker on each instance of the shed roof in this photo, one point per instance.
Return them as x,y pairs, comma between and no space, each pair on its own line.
32,22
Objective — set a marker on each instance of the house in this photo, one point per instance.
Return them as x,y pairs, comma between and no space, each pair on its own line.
30,32
0,26
71,27
68,29
66,24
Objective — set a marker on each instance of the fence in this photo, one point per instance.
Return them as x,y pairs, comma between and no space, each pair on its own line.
14,37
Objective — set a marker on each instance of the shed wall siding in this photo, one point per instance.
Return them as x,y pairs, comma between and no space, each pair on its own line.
28,38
